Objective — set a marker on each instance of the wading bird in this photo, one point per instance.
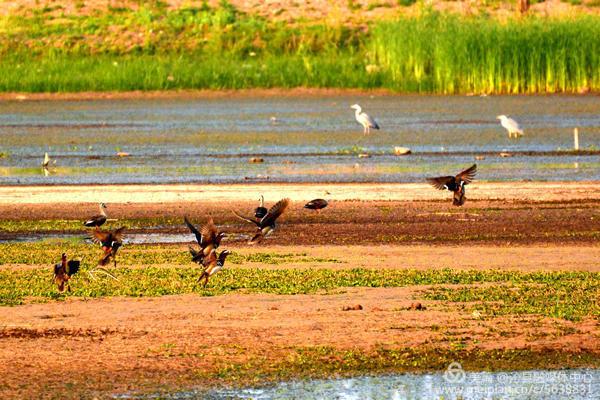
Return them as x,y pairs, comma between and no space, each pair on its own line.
97,220
111,241
213,265
316,204
64,270
510,125
209,238
46,164
365,120
267,223
455,184
261,210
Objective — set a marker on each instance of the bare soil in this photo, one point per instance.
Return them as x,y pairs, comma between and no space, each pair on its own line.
117,345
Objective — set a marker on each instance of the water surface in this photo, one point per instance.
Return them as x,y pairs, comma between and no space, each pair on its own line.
578,384
300,139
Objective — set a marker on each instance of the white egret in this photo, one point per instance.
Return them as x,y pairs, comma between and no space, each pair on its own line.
365,120
510,125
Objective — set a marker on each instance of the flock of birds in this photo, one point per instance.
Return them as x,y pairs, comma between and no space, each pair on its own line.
208,237
512,127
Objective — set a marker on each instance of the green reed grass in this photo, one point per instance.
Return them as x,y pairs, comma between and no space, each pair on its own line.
448,54
220,47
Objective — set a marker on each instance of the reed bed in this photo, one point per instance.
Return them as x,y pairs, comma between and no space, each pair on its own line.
150,48
447,54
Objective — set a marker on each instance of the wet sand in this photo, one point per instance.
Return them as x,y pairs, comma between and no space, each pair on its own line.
529,191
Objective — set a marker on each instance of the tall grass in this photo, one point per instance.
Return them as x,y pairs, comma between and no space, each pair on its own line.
150,48
447,54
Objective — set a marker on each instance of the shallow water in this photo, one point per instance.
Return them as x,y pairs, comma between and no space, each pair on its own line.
456,384
312,139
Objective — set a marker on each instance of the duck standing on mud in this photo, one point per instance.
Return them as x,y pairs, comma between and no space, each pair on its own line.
97,220
111,241
266,224
364,119
64,270
208,238
213,264
455,184
316,204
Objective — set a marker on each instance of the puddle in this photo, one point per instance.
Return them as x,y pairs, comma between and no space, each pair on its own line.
454,384
129,238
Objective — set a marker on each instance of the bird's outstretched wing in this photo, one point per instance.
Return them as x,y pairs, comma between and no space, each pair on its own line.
197,256
194,230
117,234
209,233
252,221
441,182
468,174
274,212
73,267
101,236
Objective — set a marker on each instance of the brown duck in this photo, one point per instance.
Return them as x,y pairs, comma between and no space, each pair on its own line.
63,272
209,238
97,220
213,264
455,184
111,241
266,224
316,204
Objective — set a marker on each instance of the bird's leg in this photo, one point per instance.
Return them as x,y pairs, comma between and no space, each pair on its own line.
205,281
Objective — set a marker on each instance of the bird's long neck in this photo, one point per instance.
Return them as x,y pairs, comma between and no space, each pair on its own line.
262,201
63,261
102,210
358,111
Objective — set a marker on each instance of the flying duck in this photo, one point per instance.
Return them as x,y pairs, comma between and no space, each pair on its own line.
213,264
63,272
364,119
209,238
110,241
510,125
97,220
261,210
455,184
316,204
267,223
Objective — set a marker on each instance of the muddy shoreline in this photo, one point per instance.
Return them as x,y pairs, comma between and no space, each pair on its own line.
116,345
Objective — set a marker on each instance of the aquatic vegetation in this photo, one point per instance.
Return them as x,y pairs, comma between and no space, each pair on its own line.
449,54
568,295
221,47
570,299
324,362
